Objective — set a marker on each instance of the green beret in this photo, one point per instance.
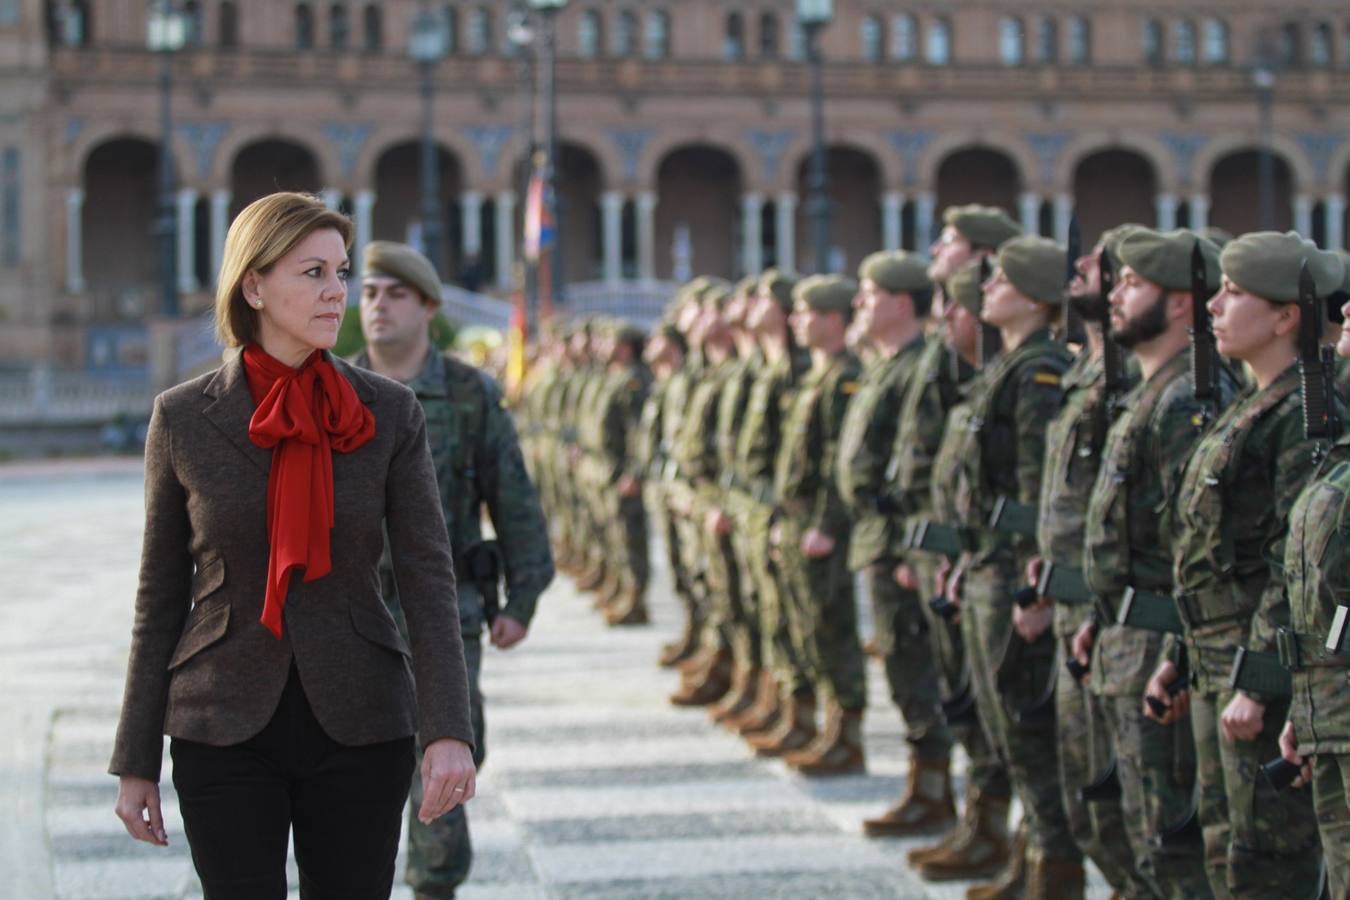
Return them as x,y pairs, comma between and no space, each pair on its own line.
827,293
983,226
1267,263
1164,258
404,263
1220,237
1112,237
715,294
964,286
896,271
780,285
1036,267
627,332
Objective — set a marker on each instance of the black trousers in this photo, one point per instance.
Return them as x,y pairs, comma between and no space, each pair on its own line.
239,804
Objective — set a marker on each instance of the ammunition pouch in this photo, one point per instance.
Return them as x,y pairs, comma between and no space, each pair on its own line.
1011,517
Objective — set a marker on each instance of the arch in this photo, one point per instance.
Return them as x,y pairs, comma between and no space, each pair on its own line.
452,140
718,138
96,134
1284,148
269,165
397,213
1234,194
855,187
237,139
580,182
872,146
121,250
1092,143
940,149
698,186
1111,186
1338,168
979,174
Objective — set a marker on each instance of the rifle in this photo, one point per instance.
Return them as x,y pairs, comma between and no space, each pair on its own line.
1074,331
988,342
1316,370
1113,361
1204,355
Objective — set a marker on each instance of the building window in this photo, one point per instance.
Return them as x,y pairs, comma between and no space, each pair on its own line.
9,12
374,28
797,41
304,27
338,30
588,34
1047,40
1153,42
229,25
1291,45
1183,42
1080,41
904,38
1010,51
9,206
733,40
657,39
625,34
192,24
1215,36
450,16
768,36
873,39
480,31
1319,49
938,47
68,24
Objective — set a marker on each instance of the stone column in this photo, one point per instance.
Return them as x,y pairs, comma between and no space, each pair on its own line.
187,241
925,211
332,197
1063,215
1165,205
892,205
471,215
362,204
1335,213
646,235
611,235
785,208
1199,211
220,224
1303,215
75,240
506,240
752,235
1029,211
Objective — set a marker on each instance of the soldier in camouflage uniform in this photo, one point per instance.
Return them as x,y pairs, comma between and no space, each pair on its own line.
1126,547
1236,492
1019,395
811,532
478,464
892,305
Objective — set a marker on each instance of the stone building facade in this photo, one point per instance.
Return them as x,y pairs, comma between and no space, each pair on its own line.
684,129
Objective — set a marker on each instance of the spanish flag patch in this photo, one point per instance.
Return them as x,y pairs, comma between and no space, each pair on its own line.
849,388
1048,378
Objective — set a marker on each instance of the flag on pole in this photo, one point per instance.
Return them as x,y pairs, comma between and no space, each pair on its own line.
540,224
515,350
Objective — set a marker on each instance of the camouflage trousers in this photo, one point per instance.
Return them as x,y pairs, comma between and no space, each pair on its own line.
1331,797
723,611
440,854
743,616
1259,842
1085,753
986,772
1028,748
773,625
901,634
626,540
823,617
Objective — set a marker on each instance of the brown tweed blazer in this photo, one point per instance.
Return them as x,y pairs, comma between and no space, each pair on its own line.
202,666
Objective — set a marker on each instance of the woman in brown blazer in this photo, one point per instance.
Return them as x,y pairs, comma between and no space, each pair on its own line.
261,644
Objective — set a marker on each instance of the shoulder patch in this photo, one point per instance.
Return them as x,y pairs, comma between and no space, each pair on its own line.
1047,378
849,388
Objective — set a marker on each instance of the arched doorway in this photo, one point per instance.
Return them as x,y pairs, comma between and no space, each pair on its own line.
1112,187
268,166
579,184
121,251
697,213
397,214
977,175
1235,193
855,210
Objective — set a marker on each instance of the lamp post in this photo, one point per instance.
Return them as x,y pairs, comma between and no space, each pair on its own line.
521,37
814,16
427,45
165,34
550,276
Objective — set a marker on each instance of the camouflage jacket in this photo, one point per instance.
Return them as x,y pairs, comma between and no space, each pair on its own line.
695,447
804,482
731,410
865,446
957,441
766,407
647,450
609,427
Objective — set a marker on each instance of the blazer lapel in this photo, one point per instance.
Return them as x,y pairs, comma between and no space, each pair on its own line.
232,408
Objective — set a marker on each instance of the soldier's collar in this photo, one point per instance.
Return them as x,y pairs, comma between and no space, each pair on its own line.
430,382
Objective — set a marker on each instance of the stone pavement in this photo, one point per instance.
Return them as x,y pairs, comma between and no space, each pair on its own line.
594,785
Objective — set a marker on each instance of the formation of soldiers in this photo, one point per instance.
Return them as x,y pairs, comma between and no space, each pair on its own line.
1098,502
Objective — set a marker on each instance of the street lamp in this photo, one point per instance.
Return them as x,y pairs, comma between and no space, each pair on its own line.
813,16
427,45
165,34
520,35
551,275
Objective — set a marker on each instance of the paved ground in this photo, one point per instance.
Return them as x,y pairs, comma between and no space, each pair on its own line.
594,786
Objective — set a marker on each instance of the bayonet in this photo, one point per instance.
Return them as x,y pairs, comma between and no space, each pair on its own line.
988,341
1204,355
1316,369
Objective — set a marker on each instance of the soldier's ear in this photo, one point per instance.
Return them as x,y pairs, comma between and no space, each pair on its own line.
1287,319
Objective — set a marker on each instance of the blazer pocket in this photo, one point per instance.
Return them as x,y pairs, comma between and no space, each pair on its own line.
208,579
378,627
207,627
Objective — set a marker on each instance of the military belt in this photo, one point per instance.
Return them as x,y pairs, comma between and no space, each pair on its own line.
1149,611
1011,517
1064,584
1298,651
1261,673
934,537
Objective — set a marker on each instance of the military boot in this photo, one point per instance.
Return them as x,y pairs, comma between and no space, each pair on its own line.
838,750
1055,879
978,848
1012,881
705,685
926,807
764,714
744,688
607,592
591,576
627,609
680,649
796,727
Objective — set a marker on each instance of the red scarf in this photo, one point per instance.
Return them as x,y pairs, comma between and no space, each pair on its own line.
302,415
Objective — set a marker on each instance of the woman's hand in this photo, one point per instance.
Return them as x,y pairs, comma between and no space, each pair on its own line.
448,778
138,808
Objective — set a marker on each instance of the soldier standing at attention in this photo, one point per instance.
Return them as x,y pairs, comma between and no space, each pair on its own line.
811,531
1231,522
1019,395
891,307
478,464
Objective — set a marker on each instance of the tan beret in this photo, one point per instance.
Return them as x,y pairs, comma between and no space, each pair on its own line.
1036,266
964,286
405,263
1267,263
896,271
780,284
827,293
983,226
1164,257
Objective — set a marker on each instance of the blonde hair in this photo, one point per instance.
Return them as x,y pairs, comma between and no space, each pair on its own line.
263,233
